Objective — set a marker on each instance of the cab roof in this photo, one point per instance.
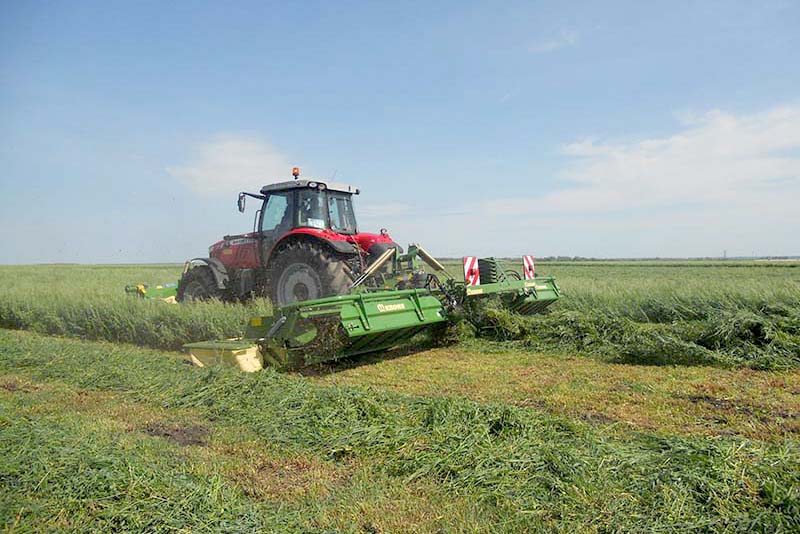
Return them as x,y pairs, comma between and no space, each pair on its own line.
304,184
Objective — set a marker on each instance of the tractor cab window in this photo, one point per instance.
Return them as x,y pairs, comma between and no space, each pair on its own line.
276,215
311,208
340,210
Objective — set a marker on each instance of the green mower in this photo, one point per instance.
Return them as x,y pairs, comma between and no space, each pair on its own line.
389,303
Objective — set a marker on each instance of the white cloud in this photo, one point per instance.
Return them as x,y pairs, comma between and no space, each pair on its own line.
723,178
563,39
720,160
723,181
231,163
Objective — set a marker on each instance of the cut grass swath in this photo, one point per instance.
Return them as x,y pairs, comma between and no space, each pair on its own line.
537,470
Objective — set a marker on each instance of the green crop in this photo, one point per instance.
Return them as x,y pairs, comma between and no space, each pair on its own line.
720,313
527,471
89,302
555,422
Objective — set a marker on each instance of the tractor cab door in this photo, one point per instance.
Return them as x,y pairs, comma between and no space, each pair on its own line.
277,218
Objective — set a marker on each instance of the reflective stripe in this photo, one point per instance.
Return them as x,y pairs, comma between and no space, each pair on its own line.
528,267
472,275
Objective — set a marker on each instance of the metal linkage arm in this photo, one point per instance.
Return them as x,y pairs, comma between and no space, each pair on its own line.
373,267
433,262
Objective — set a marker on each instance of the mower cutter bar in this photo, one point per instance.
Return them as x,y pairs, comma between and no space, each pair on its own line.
331,328
366,320
526,297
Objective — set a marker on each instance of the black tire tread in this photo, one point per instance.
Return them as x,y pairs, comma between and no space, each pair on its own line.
203,275
335,273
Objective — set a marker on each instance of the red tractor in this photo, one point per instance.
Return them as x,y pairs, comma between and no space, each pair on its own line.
306,245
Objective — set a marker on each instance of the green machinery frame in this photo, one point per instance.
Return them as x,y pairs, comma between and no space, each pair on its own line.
375,317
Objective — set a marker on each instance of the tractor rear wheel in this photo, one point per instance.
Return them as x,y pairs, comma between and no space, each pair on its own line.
198,283
305,271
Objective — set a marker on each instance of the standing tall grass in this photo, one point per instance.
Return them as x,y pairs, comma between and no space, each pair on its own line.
647,291
89,302
734,313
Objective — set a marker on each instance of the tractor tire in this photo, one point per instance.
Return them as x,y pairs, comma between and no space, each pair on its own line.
198,283
305,271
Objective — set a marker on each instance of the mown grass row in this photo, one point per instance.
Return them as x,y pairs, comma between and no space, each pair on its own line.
764,339
62,474
535,471
77,460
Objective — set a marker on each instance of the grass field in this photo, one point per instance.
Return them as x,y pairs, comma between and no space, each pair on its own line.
740,314
655,396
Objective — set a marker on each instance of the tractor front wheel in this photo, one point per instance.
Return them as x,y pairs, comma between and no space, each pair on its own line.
198,283
304,271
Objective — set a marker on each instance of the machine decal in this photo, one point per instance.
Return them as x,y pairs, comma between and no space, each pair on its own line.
391,307
240,241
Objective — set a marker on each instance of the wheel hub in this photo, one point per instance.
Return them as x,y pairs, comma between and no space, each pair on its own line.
298,282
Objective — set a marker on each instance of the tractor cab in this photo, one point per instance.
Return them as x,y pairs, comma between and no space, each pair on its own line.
306,204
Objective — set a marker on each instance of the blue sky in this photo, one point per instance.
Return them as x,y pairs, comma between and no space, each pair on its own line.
600,128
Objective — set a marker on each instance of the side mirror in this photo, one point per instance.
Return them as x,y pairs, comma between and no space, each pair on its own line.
241,202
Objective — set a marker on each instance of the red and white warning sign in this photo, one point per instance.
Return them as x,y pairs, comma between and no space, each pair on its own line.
527,266
472,275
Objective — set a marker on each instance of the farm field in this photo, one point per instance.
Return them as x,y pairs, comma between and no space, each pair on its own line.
655,396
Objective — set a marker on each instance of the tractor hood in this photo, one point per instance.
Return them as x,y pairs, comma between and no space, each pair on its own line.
236,251
366,240
234,240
